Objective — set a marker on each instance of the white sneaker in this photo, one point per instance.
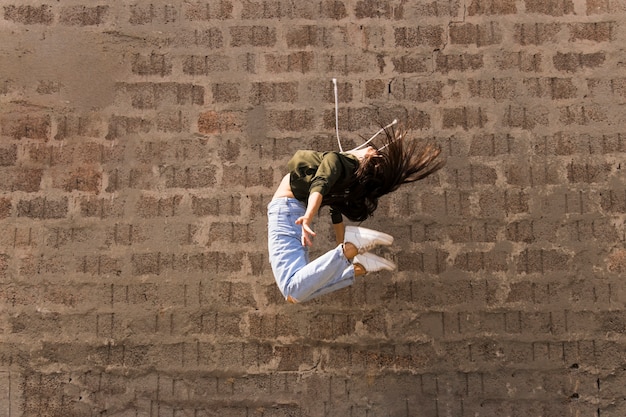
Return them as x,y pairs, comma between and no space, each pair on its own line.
366,239
373,263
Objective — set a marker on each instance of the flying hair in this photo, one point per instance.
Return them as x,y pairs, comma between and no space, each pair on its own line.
399,161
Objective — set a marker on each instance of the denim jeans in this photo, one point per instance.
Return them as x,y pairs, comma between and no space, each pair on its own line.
298,279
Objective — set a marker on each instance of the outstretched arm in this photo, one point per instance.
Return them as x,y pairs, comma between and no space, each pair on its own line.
313,205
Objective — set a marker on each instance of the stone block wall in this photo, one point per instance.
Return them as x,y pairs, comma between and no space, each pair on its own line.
140,143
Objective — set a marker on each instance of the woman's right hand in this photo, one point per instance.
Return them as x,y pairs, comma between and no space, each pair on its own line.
312,207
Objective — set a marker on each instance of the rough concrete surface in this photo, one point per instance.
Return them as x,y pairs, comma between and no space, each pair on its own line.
140,143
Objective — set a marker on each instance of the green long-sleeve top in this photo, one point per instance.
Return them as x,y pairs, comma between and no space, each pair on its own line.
318,171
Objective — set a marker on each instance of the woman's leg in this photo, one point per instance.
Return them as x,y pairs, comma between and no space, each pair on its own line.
296,277
328,273
347,276
286,253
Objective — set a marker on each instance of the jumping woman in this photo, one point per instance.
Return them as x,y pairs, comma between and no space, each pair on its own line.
351,184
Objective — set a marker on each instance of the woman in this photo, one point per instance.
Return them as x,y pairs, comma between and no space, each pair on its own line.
351,184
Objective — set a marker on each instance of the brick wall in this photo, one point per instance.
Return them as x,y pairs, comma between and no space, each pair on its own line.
140,143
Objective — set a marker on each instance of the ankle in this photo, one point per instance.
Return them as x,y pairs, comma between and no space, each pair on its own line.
359,270
350,250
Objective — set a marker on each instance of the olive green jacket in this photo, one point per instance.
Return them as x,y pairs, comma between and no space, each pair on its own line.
319,171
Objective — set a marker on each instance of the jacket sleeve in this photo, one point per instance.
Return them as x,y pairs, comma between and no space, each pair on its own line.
328,172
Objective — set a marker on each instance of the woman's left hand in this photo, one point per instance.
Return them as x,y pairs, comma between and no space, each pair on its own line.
307,233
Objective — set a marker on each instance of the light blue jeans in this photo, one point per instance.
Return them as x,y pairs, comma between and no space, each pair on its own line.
298,279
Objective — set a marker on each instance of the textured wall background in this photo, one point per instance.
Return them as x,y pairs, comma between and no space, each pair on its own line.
140,143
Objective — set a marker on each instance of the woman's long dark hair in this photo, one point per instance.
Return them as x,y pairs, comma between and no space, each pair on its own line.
399,161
